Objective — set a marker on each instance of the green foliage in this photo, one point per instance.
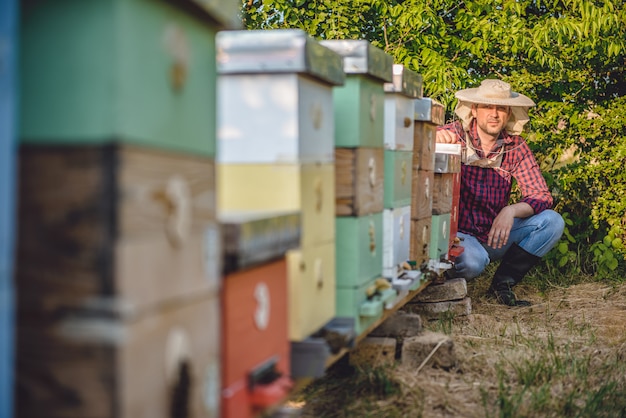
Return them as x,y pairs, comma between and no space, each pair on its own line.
569,56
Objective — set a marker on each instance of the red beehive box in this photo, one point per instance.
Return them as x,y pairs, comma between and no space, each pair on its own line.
255,343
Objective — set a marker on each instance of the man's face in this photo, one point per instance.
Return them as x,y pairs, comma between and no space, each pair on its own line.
491,119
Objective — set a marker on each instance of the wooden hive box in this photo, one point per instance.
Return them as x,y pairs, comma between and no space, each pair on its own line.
364,303
443,193
360,103
119,242
306,188
406,85
422,194
359,249
282,83
142,72
115,223
110,363
312,289
396,240
440,237
428,115
448,159
255,316
419,250
398,179
454,214
359,181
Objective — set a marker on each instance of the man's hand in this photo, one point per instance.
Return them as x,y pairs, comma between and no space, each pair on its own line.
446,137
501,228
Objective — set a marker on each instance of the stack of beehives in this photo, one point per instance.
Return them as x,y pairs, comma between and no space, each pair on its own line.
118,256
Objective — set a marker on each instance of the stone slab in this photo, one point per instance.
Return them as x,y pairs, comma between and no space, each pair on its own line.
453,289
400,325
434,310
439,347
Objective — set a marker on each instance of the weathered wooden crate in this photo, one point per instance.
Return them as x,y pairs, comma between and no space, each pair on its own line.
422,194
443,193
359,181
420,240
424,142
114,225
110,363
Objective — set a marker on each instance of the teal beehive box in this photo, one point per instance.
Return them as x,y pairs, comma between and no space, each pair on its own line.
398,178
440,236
359,248
135,71
360,102
364,304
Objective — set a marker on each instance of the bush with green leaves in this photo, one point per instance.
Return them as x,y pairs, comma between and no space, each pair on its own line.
568,55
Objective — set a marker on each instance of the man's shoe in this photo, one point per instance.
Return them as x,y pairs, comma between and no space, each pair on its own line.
507,297
514,266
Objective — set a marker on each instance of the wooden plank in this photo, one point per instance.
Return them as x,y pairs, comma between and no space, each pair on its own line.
424,145
359,174
422,194
443,193
420,240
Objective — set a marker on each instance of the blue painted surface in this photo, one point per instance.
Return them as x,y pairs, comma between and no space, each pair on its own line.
8,106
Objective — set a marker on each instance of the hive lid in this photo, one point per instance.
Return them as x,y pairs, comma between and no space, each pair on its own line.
256,237
405,81
277,51
361,57
442,148
429,110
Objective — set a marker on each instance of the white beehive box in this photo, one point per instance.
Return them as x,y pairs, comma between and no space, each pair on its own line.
275,97
400,96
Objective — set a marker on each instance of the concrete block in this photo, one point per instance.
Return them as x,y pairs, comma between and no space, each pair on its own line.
373,352
431,348
434,310
454,289
400,325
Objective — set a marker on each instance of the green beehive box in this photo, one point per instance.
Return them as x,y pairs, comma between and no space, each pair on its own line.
397,183
440,236
359,249
359,111
360,102
354,303
132,71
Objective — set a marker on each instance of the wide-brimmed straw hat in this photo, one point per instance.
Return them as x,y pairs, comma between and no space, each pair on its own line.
494,92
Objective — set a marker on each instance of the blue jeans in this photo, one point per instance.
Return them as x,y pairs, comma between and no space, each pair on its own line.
536,234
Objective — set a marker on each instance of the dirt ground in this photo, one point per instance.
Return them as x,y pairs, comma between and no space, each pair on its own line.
563,356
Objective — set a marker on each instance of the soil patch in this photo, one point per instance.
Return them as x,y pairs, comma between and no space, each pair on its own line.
563,356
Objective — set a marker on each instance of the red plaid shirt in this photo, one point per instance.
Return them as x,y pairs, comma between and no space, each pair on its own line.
485,191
